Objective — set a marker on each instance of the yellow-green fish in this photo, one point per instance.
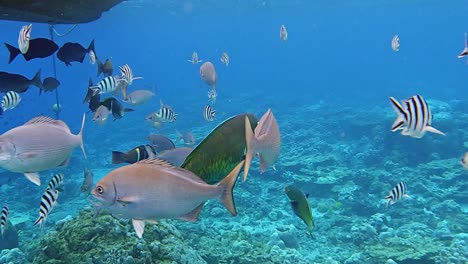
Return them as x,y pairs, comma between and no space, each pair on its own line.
300,206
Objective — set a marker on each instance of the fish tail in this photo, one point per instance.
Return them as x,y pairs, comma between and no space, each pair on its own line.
388,198
399,122
227,185
36,80
13,52
251,146
118,157
80,135
40,221
91,47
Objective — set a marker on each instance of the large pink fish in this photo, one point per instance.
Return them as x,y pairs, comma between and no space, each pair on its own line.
41,144
208,74
265,142
154,189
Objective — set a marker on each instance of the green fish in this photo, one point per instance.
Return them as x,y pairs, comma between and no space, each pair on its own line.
221,150
300,206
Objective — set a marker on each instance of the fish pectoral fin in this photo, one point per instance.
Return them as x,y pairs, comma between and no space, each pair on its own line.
193,215
139,226
434,130
65,162
126,200
34,177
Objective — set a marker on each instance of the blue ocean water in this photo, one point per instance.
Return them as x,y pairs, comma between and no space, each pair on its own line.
328,86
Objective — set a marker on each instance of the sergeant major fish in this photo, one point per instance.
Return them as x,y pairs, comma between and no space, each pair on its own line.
166,113
465,50
48,201
195,59
225,58
4,219
154,189
396,43
209,113
398,192
56,182
127,74
24,37
414,117
9,101
106,85
134,155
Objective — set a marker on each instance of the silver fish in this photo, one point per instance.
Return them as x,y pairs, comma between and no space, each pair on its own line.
283,33
396,43
154,189
87,181
92,57
41,144
175,156
48,201
139,97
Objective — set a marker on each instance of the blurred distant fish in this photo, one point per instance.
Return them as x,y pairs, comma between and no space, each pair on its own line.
127,74
155,121
283,33
93,99
4,219
195,59
209,113
464,161
115,107
166,113
101,114
106,85
160,142
225,59
208,74
396,43
414,117
24,37
18,83
300,206
398,192
212,95
465,50
48,201
38,48
71,52
87,184
264,142
139,97
134,155
105,68
9,101
186,137
49,84
175,156
56,182
92,57
56,108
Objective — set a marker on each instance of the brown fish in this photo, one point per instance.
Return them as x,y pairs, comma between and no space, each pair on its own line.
41,144
154,189
160,143
175,156
265,143
87,181
105,68
139,97
187,137
208,74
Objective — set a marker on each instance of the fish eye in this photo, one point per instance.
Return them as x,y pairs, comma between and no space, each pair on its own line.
99,189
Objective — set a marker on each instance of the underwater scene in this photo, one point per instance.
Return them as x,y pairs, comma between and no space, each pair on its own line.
212,131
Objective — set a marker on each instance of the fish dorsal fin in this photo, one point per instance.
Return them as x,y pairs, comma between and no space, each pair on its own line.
184,173
47,120
158,162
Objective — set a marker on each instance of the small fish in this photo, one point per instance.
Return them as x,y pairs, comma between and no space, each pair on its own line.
212,95
92,57
49,84
9,101
414,117
160,143
71,52
396,43
154,189
209,113
56,182
57,108
87,181
195,59
155,121
187,137
105,68
115,107
139,97
127,74
225,59
175,156
38,48
137,154
465,50
4,219
166,113
24,37
48,201
50,146
283,33
300,206
18,83
101,114
208,74
106,85
264,142
398,192
464,161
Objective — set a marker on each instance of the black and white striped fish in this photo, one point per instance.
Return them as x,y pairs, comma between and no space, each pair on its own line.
212,95
225,59
396,43
465,50
106,85
127,74
56,182
166,113
209,113
48,201
414,117
10,100
24,37
4,219
195,59
398,192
